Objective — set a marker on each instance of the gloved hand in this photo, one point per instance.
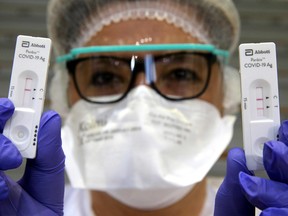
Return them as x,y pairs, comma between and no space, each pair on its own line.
40,191
239,195
230,199
271,195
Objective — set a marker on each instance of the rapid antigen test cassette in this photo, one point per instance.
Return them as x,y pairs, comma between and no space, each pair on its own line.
260,99
27,92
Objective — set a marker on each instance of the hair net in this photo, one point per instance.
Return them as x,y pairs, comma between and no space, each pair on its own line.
72,23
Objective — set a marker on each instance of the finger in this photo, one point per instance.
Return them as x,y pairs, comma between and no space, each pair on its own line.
229,199
3,187
6,111
275,212
236,163
264,193
283,132
10,157
44,176
276,161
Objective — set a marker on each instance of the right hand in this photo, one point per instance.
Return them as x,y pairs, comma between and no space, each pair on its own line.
41,189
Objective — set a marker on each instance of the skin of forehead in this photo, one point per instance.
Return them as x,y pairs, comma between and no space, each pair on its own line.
131,33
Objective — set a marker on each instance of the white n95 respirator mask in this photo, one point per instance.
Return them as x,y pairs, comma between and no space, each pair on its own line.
145,151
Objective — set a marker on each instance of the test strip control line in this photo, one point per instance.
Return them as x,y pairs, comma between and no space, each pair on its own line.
27,92
260,99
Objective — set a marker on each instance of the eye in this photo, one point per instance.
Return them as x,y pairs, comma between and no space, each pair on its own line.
183,74
105,78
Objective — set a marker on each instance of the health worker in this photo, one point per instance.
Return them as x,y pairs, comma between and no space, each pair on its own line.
148,103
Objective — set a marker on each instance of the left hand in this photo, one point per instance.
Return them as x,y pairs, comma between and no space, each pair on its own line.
270,195
239,194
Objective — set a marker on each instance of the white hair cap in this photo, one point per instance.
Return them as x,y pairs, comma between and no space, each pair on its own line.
72,23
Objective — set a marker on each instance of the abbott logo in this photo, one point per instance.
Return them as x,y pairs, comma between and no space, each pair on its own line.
26,44
248,52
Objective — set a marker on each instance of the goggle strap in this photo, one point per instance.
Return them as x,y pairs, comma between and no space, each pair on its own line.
142,48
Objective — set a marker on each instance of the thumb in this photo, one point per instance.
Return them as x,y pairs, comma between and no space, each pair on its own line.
229,199
44,176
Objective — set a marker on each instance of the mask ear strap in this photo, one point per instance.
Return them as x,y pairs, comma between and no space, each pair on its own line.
150,70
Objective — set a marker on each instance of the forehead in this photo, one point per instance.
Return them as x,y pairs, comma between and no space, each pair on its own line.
140,31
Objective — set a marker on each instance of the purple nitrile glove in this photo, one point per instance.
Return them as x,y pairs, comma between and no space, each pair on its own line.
271,195
41,189
230,200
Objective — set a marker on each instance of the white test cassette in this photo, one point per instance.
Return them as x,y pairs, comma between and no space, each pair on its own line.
27,92
260,99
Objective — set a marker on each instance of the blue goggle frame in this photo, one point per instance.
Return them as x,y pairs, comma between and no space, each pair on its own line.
142,48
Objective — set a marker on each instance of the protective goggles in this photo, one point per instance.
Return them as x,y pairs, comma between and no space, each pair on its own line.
106,74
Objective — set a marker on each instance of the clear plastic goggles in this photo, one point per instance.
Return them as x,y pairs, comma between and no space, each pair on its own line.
106,74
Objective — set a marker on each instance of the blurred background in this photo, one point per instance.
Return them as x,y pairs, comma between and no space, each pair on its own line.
261,21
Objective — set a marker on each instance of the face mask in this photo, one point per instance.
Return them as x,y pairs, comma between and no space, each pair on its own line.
145,151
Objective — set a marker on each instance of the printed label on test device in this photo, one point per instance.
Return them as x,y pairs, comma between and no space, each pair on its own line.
258,59
31,51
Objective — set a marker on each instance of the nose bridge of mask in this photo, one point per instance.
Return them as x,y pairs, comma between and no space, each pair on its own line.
142,92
